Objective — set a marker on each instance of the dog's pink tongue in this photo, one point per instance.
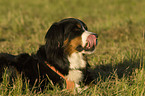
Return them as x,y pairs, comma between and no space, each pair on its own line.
91,41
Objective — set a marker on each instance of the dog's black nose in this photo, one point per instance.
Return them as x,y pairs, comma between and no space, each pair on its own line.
96,36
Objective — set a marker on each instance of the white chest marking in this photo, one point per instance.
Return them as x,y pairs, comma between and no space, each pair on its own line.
75,75
76,61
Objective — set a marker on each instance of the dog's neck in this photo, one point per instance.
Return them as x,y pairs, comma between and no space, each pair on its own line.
77,61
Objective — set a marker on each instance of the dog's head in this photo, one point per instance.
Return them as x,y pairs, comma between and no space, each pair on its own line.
70,35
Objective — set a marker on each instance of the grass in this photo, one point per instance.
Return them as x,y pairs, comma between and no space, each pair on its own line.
118,60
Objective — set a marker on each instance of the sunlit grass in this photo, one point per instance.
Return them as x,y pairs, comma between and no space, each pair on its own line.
118,60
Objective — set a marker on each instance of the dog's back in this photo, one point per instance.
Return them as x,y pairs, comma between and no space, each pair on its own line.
12,60
6,60
13,63
28,66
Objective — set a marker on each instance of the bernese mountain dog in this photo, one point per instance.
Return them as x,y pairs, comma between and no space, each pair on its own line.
61,59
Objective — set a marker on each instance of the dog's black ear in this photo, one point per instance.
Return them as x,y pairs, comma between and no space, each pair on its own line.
53,47
55,35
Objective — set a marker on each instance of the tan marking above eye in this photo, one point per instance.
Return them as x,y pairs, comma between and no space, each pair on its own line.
79,26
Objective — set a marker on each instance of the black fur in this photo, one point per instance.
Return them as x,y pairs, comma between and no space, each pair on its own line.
54,50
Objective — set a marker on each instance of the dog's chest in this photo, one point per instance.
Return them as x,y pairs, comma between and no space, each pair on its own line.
76,63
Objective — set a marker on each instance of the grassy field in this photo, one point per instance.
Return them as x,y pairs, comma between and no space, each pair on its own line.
118,60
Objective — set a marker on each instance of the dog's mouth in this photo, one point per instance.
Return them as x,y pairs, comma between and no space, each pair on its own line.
91,42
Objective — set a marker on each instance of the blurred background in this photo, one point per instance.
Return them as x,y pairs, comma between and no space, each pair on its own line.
120,25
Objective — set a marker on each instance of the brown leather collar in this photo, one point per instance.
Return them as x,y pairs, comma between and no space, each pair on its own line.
70,85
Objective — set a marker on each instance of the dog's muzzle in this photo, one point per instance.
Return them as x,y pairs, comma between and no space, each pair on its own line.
91,42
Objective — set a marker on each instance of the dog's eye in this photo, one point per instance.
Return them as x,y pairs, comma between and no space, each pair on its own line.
79,48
